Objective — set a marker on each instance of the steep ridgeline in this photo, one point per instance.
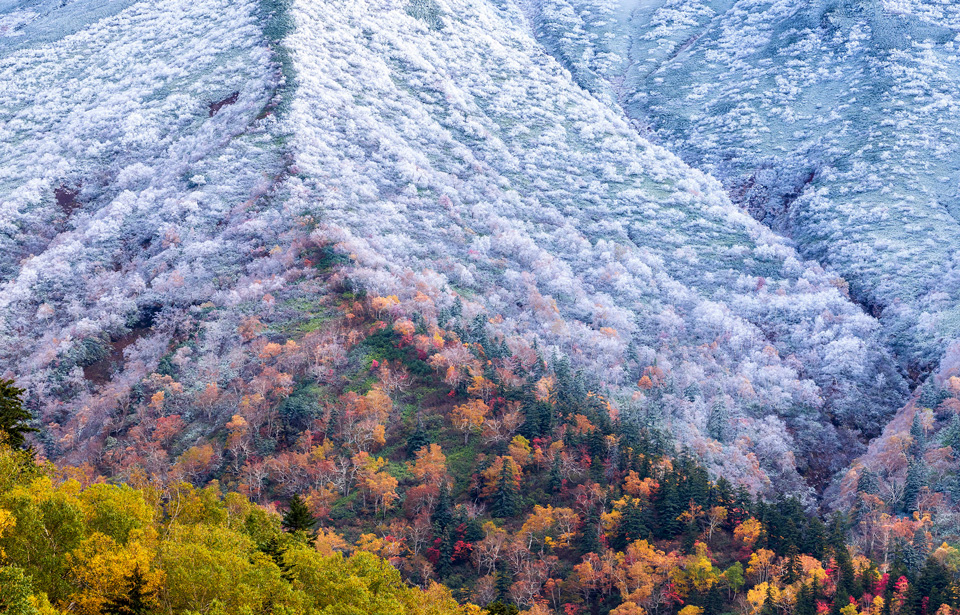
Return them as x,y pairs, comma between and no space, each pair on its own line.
149,194
835,121
441,148
137,153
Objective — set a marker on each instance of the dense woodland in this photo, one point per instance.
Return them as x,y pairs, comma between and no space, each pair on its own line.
376,451
402,306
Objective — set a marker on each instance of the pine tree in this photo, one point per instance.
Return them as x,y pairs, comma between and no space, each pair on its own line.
931,395
588,541
814,538
867,482
722,493
502,584
717,421
915,482
793,568
506,500
806,604
847,580
441,515
635,522
914,553
951,435
13,416
502,608
333,421
418,439
135,598
443,565
769,608
556,478
298,517
917,434
669,507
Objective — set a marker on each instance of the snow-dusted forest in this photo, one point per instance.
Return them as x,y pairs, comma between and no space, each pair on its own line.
629,307
752,201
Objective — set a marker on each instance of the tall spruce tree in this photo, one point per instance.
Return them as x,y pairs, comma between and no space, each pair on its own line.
442,515
418,439
950,436
556,477
298,517
806,603
914,483
506,499
717,421
13,416
917,435
134,599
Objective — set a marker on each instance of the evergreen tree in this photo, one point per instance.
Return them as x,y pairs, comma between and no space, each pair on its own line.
669,507
589,541
134,599
931,395
717,421
847,580
793,568
333,422
418,439
536,422
723,492
806,604
950,436
867,482
914,553
915,482
470,527
840,599
635,524
814,538
275,548
502,584
446,554
441,515
556,478
919,438
769,607
506,499
933,583
298,517
502,608
13,416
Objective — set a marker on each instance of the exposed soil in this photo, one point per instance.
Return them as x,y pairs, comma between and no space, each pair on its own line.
220,104
100,372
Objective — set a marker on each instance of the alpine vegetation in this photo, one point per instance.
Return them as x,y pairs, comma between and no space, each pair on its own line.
558,303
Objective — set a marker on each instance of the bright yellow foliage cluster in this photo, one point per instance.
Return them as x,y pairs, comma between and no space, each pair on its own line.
65,548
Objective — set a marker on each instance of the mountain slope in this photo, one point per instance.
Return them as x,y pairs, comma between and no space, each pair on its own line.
446,155
834,122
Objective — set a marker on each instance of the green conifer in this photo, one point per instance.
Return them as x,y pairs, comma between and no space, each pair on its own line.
134,599
441,515
13,416
506,499
298,517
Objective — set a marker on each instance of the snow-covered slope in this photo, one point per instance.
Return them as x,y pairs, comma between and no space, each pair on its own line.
834,121
444,152
439,138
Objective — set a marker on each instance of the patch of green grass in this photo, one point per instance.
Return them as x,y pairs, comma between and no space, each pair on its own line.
460,463
399,471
